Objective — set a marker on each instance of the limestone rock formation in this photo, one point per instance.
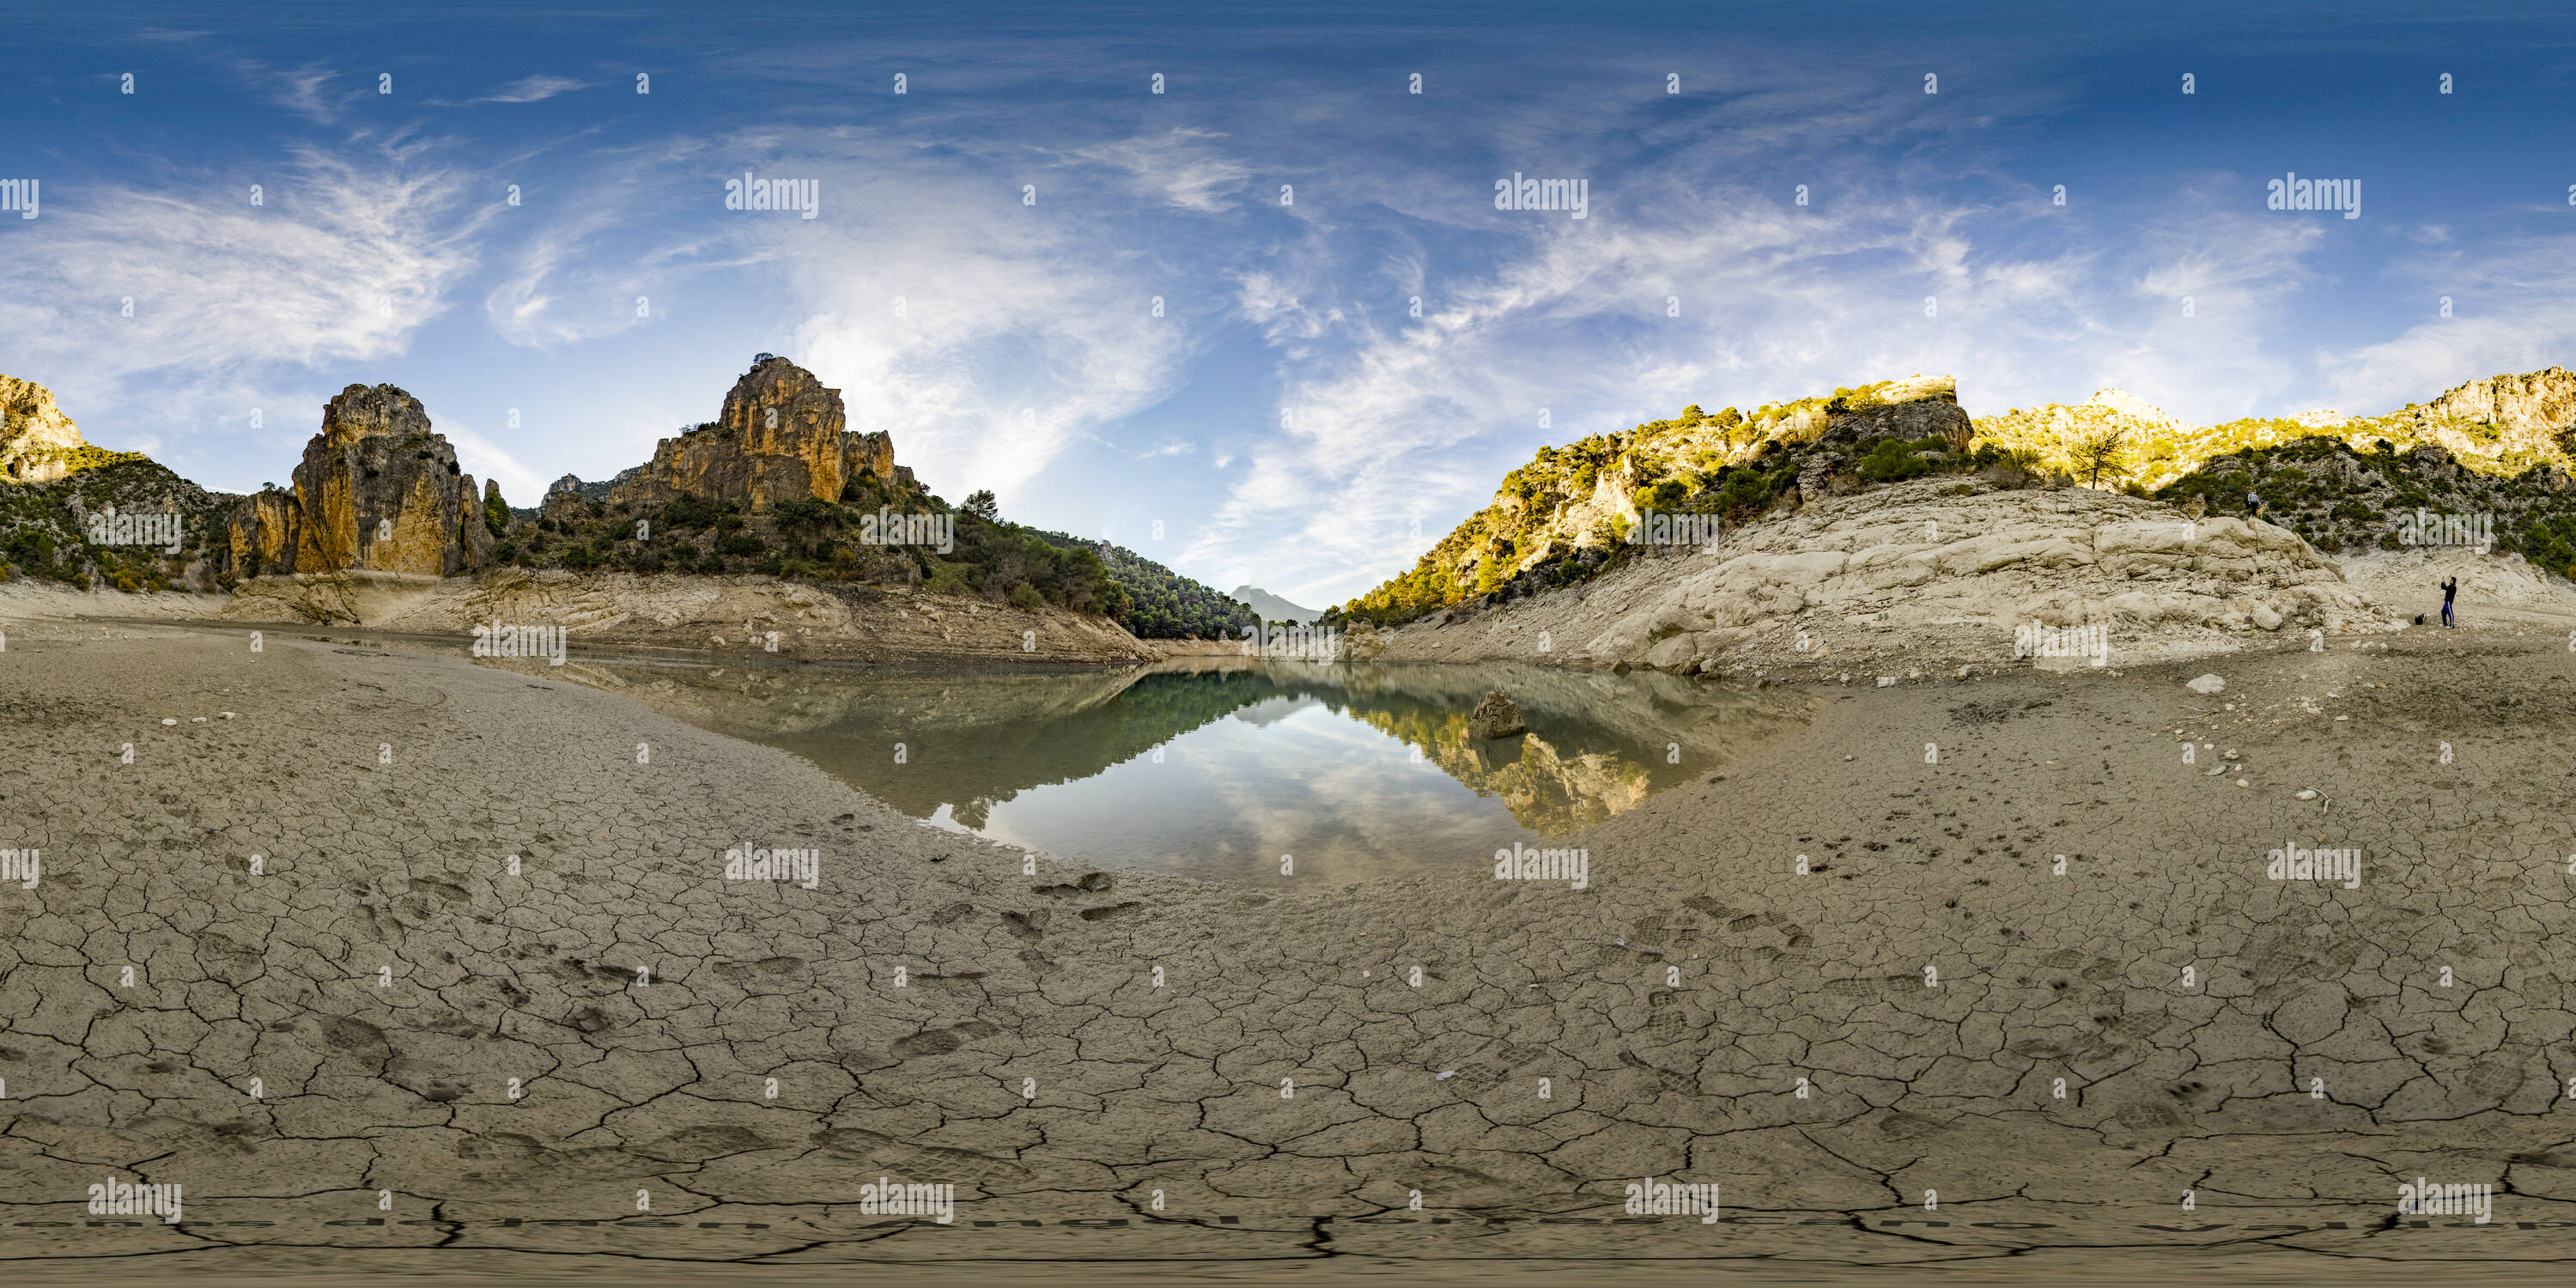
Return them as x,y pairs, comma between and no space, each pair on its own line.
782,435
1917,407
38,443
378,491
2131,406
2540,402
1920,569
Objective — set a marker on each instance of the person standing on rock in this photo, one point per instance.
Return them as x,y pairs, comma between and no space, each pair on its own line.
2253,505
2450,587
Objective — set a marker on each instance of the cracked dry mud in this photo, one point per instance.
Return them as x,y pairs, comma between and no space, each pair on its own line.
1027,1057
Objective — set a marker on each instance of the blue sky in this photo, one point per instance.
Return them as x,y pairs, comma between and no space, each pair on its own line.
1287,420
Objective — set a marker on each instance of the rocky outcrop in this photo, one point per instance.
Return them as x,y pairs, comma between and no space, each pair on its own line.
379,491
782,435
1495,717
1916,408
38,443
2538,402
262,533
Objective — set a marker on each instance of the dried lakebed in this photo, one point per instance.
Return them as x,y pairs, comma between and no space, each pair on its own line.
463,1068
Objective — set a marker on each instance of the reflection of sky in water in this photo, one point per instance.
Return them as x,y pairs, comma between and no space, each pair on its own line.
1286,776
1359,772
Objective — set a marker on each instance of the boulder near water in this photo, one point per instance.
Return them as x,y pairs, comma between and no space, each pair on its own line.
1495,717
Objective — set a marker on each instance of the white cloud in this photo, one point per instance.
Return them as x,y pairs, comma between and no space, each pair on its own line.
344,261
2509,314
1022,329
1400,422
533,89
484,459
1182,167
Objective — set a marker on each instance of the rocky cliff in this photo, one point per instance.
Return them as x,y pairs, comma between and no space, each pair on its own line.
378,491
38,443
1923,574
2501,425
782,435
1565,516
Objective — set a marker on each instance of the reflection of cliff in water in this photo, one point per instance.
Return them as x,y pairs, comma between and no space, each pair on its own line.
1547,790
1598,743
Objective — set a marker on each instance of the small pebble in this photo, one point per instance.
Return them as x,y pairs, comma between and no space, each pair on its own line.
2242,783
169,721
2306,794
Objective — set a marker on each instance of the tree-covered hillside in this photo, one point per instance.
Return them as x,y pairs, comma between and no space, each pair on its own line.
1163,604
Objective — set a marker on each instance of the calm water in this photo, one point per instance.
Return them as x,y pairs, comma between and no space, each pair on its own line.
1219,767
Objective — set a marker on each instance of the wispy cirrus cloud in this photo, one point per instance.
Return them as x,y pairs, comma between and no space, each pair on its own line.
533,89
124,295
1399,425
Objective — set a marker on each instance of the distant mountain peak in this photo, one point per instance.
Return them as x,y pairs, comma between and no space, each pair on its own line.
1271,607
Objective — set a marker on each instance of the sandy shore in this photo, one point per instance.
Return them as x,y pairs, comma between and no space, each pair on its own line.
933,1013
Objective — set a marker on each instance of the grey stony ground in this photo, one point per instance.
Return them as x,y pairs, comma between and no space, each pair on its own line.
386,978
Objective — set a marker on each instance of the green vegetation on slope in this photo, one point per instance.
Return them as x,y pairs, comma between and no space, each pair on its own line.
815,540
1565,516
2346,501
43,535
1163,604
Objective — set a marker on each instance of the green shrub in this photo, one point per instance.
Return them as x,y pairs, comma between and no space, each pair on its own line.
1893,460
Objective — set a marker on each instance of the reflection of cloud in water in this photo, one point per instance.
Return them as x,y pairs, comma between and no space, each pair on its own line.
1344,800
1358,771
1273,710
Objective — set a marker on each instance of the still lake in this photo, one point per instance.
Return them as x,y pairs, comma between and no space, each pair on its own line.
1219,767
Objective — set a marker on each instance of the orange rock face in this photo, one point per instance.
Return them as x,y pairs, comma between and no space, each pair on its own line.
782,435
378,491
